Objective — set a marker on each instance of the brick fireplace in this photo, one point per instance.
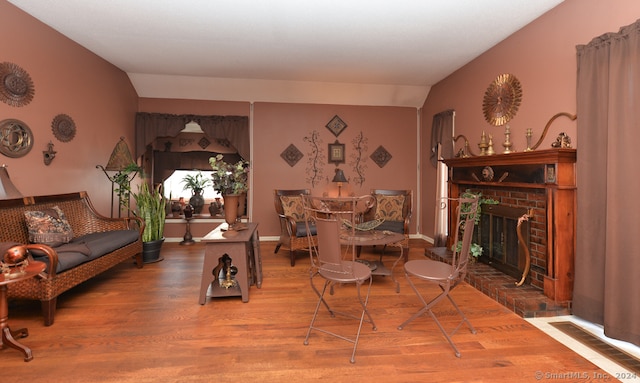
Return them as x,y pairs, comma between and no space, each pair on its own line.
541,182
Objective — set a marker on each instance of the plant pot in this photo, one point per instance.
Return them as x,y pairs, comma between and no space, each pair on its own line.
151,251
197,201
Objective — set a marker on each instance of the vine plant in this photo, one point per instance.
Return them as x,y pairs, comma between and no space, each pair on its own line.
315,158
358,161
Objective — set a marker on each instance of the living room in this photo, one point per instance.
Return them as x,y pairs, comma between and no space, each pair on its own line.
103,102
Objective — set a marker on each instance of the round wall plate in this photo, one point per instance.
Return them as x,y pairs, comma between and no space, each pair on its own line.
502,99
64,129
16,87
16,138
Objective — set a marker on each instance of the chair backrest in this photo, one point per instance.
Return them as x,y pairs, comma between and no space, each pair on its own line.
328,215
392,205
467,211
289,203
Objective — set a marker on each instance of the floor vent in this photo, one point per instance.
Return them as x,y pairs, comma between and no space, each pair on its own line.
615,354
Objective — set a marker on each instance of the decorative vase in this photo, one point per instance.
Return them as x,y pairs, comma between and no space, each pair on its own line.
231,209
176,209
213,209
197,201
188,211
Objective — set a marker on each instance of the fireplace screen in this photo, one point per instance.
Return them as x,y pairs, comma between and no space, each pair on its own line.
497,234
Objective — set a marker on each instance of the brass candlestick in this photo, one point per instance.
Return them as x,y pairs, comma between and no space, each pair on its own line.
507,140
529,134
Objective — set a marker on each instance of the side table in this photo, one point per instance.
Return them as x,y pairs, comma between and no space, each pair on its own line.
243,248
9,336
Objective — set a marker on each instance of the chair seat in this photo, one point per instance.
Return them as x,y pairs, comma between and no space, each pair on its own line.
360,272
394,226
429,270
301,229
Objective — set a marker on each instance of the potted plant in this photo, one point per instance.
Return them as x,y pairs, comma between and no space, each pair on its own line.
123,181
196,184
151,207
230,180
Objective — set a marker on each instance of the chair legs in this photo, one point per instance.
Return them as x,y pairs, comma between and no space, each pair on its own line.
363,302
446,289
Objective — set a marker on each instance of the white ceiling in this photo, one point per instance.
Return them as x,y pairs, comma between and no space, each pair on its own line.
335,51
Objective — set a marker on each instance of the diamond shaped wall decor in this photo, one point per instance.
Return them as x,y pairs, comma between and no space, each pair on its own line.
291,155
380,156
336,125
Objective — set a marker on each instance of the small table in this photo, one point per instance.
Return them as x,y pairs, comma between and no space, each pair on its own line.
376,238
244,249
8,335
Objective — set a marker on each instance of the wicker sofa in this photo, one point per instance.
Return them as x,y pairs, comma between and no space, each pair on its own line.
106,243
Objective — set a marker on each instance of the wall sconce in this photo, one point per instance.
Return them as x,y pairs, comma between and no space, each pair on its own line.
49,154
339,178
7,190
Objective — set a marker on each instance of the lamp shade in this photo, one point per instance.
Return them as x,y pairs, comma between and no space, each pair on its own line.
339,177
120,157
7,190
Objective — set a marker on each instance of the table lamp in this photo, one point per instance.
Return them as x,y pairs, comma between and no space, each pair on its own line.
339,178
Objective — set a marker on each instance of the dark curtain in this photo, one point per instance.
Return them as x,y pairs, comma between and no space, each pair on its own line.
442,133
233,128
607,285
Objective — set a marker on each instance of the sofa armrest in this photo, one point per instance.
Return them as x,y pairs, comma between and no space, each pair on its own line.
50,271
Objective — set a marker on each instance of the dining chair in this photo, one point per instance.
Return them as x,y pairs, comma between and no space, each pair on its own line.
446,275
335,263
293,230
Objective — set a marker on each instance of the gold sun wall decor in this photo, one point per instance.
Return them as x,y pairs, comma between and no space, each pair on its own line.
16,86
502,99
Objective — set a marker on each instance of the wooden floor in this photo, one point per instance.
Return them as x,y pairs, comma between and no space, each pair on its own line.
145,325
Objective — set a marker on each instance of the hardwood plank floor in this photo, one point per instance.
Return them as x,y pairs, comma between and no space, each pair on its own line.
145,325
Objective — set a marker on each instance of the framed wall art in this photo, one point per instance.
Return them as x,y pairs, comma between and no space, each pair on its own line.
336,153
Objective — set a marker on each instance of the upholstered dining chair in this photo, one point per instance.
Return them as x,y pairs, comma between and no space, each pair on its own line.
394,207
334,261
423,272
293,231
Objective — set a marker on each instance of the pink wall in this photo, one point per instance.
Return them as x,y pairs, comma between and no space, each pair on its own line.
276,126
542,56
71,80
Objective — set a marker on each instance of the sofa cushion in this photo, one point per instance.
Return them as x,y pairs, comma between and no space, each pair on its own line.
389,208
292,207
48,226
88,247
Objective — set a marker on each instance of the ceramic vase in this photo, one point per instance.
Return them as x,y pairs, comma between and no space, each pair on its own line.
231,209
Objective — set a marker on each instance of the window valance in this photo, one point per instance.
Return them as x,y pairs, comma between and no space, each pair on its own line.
149,126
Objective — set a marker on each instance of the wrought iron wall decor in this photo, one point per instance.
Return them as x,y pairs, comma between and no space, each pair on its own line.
502,99
291,155
16,139
315,158
63,127
16,86
49,154
381,156
336,125
358,161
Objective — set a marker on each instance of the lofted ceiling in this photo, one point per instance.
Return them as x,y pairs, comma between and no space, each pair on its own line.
374,52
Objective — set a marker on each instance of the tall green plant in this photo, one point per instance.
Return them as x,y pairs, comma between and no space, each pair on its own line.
151,207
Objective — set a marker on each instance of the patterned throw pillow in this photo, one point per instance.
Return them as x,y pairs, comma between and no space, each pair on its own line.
48,226
389,208
292,206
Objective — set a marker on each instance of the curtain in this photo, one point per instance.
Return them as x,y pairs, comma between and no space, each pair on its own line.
442,132
152,125
607,286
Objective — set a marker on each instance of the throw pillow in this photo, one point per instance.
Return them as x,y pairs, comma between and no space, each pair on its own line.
292,206
48,226
389,208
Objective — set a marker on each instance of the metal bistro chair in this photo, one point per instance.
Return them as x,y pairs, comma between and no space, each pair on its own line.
446,276
329,263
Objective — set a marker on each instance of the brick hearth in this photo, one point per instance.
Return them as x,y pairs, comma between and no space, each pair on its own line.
526,300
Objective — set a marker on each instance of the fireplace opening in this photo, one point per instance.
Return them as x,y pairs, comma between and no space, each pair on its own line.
497,233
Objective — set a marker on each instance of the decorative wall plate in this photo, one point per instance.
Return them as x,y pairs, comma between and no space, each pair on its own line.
291,155
336,125
16,139
502,99
16,87
380,156
64,129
